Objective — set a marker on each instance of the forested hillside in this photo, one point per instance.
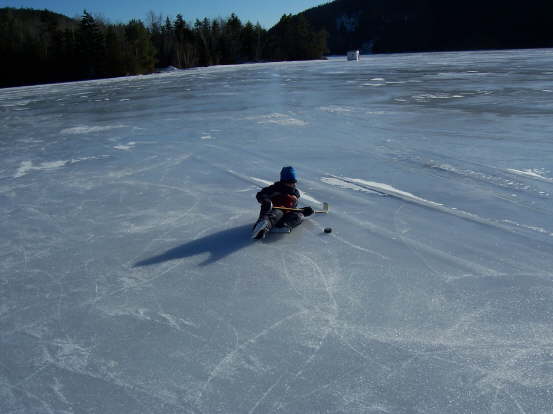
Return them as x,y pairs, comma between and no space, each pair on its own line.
433,25
41,46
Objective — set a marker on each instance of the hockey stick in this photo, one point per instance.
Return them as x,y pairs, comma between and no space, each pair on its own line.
324,210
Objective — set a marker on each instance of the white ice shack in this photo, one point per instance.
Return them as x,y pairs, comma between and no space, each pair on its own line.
353,55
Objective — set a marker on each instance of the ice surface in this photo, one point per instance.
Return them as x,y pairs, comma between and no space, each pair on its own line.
129,283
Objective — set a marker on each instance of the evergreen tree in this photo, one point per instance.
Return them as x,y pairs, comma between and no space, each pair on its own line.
166,52
184,47
140,56
90,47
216,43
202,35
115,54
260,36
154,27
248,41
232,40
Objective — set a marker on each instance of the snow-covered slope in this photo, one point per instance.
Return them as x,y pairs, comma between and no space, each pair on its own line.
129,282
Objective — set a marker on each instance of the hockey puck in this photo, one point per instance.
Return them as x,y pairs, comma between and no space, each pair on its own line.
328,230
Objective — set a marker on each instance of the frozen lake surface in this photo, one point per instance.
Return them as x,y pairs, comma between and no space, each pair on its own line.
129,283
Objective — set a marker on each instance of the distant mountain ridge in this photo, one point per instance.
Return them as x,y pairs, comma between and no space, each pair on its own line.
33,16
433,25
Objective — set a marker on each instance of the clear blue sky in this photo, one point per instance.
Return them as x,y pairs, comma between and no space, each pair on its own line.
267,13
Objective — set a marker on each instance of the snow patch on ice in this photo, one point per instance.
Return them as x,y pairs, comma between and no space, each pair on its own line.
129,146
84,129
531,172
26,166
335,109
309,198
346,185
388,189
487,177
279,119
261,181
526,226
429,96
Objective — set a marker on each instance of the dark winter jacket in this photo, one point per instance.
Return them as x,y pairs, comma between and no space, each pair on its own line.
280,195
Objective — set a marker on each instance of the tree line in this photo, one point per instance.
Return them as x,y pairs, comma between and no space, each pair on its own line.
42,46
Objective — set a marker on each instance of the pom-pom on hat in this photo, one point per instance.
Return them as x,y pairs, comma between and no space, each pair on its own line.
288,174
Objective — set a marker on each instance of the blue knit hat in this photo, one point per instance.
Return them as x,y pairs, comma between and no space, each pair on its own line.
288,174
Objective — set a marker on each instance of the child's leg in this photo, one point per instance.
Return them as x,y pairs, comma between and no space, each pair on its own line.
266,207
274,216
291,219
